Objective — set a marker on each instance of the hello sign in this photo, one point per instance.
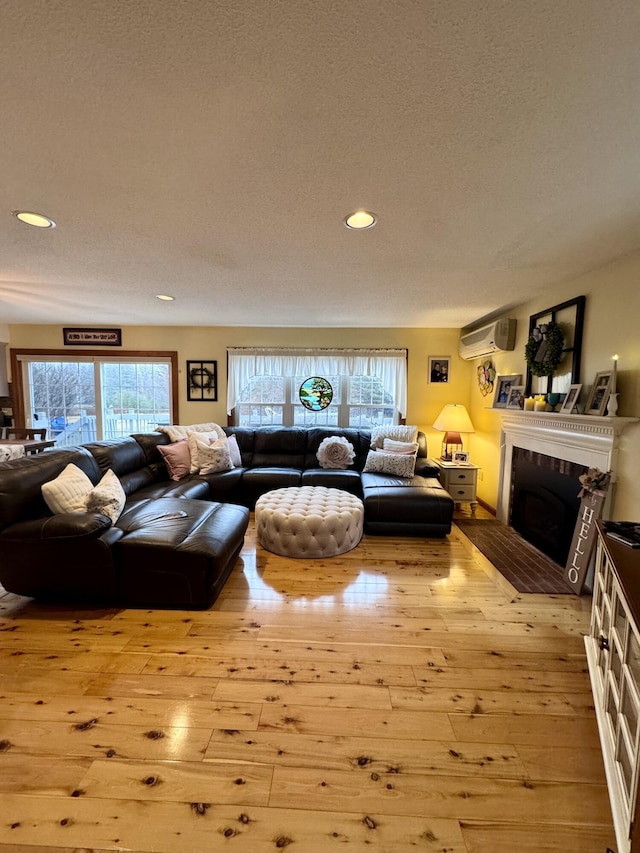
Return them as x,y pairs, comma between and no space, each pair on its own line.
584,537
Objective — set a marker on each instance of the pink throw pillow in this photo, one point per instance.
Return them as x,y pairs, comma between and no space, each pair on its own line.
177,458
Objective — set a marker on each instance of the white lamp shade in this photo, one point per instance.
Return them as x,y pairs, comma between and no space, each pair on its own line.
454,418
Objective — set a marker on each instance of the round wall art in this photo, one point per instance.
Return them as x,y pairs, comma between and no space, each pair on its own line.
316,393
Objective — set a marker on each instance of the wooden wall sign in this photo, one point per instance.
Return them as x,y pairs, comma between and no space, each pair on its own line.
584,537
92,337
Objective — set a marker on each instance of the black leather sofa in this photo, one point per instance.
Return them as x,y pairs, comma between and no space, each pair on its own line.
176,542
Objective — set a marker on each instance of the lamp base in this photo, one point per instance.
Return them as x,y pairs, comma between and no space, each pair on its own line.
452,441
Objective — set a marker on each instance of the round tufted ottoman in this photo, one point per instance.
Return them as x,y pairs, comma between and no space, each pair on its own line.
309,521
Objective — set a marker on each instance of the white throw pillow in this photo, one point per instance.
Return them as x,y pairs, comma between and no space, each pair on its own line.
410,447
384,462
107,498
68,491
234,451
176,432
214,456
397,432
335,452
198,438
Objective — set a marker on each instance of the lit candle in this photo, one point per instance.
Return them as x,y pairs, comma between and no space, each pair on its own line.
529,404
614,375
540,405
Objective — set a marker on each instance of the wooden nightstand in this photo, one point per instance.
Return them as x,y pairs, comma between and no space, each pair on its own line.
460,481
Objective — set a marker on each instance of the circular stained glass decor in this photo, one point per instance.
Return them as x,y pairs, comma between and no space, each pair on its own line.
316,393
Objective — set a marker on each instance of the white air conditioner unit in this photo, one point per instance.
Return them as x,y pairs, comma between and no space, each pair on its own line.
495,337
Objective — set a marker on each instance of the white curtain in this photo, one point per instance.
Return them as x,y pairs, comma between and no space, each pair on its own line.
388,365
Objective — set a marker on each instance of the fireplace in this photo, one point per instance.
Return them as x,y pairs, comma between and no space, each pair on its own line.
544,501
573,443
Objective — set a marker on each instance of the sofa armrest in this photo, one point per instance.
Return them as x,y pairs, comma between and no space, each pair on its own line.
68,525
427,468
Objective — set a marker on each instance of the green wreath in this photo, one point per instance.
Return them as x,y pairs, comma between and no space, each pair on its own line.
201,377
544,349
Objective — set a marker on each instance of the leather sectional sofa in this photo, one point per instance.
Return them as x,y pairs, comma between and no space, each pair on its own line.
176,542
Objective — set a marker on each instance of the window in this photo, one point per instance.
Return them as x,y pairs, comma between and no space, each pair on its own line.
89,397
369,387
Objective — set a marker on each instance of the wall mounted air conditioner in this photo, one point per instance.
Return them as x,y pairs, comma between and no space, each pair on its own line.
498,336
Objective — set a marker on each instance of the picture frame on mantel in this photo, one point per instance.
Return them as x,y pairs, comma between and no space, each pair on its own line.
503,385
599,394
570,402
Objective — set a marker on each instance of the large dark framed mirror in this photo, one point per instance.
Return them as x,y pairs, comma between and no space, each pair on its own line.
569,317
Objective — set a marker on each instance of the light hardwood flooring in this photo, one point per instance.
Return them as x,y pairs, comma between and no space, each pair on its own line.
400,697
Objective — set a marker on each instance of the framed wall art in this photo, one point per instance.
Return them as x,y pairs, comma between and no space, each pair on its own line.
202,381
92,337
554,348
439,368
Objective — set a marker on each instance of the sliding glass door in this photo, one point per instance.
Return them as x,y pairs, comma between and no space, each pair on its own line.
88,398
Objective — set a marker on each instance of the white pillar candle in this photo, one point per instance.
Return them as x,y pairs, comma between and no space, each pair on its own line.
529,404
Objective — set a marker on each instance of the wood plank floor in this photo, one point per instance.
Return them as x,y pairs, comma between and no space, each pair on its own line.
400,697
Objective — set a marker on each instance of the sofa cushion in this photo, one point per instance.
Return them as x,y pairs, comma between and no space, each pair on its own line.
178,552
408,447
398,432
107,498
208,453
68,491
214,456
400,506
176,432
359,439
399,464
234,451
192,486
177,458
335,452
345,479
279,447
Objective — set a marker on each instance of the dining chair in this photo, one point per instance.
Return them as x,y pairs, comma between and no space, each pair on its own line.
24,433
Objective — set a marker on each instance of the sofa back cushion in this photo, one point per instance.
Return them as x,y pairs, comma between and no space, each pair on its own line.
128,461
21,481
279,447
245,437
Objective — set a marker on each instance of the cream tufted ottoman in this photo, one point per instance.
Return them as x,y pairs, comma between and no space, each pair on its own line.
309,521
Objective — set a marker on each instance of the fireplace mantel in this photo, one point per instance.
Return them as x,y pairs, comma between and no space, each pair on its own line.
584,439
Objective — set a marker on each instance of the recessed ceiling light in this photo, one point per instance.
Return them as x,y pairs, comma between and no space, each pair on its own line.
31,218
164,297
360,219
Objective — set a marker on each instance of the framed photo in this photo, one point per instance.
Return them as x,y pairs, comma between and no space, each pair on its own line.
516,397
599,395
439,368
92,337
570,401
460,457
202,380
503,386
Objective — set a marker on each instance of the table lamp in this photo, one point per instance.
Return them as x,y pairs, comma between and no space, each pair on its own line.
452,420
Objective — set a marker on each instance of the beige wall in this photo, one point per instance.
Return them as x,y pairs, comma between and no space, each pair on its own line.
611,326
210,343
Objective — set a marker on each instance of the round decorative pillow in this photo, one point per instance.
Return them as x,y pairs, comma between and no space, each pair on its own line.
335,452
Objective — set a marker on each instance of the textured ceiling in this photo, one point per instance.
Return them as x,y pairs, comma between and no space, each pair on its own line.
210,150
